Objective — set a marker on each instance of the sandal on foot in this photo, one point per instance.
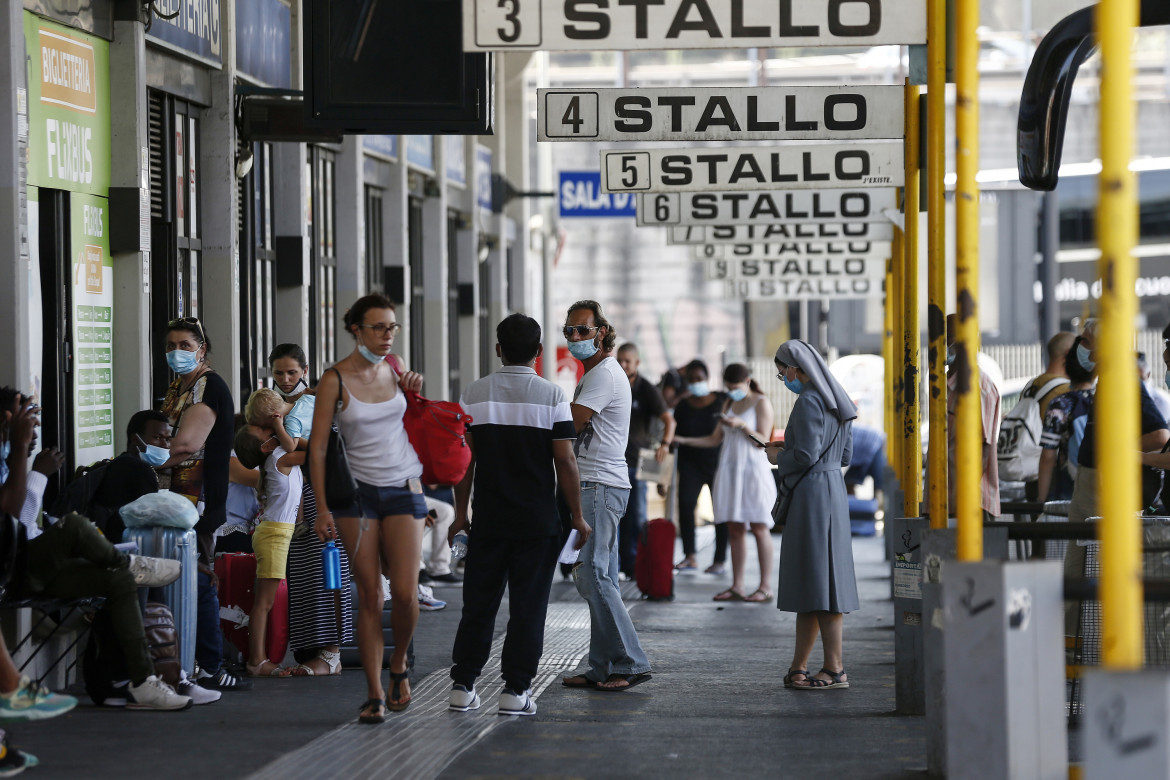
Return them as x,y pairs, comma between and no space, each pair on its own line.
790,683
578,681
394,701
631,681
758,596
834,681
268,669
373,711
728,595
332,659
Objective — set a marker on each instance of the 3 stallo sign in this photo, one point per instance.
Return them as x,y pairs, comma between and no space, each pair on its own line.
579,25
762,208
772,234
794,166
797,269
721,114
808,249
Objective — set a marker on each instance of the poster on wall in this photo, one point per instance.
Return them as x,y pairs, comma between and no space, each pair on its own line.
93,329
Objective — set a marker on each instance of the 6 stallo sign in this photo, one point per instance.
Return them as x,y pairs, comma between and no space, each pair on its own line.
763,208
808,249
774,234
721,114
794,166
579,25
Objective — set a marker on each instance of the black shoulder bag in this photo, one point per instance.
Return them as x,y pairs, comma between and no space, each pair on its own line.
784,495
1152,487
340,487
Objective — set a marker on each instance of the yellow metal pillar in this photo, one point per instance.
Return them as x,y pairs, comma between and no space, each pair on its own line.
911,462
936,265
894,298
968,422
888,357
1117,392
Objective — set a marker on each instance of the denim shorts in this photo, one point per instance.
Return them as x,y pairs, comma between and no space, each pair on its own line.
377,502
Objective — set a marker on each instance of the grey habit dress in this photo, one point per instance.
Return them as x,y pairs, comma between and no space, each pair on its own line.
816,551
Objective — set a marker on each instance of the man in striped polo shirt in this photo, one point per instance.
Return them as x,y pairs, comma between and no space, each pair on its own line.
521,441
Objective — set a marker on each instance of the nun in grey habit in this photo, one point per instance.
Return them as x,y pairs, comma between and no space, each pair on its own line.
816,579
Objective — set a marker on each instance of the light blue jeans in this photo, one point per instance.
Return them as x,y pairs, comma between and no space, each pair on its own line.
613,642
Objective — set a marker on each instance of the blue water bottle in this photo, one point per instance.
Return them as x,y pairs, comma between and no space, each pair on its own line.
331,566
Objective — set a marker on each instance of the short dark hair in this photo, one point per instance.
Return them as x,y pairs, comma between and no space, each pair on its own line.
629,346
599,320
191,325
137,424
1072,366
356,313
738,372
1166,331
293,351
519,338
8,396
695,364
248,449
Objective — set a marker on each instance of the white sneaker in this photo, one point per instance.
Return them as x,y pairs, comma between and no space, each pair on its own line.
463,700
154,694
154,572
517,703
196,693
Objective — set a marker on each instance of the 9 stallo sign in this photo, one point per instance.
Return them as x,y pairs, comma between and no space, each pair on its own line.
793,166
793,250
580,25
763,208
721,114
772,234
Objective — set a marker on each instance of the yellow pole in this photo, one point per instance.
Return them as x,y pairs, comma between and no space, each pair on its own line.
888,356
911,462
936,264
1117,391
968,422
894,300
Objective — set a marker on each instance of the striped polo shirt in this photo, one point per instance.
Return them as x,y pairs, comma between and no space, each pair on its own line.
517,416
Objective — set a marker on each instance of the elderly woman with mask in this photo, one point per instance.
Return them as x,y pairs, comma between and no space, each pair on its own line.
816,579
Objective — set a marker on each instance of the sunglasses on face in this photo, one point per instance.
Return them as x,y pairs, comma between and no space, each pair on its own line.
580,330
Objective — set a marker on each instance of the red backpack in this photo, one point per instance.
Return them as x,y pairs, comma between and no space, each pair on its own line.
436,430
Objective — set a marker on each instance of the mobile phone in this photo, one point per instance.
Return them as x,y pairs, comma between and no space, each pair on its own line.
759,442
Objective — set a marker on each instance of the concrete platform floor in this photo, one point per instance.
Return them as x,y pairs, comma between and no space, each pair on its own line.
716,707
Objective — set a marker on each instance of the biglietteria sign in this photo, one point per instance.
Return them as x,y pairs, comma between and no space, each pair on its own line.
577,25
793,166
721,114
763,208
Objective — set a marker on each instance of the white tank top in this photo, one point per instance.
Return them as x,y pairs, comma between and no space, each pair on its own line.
282,492
379,451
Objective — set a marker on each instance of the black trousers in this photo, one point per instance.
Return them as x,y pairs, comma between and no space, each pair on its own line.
525,567
691,478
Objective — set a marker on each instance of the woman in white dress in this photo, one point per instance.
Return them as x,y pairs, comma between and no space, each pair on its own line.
744,490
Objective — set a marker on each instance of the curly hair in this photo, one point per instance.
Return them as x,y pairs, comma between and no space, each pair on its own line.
355,314
610,339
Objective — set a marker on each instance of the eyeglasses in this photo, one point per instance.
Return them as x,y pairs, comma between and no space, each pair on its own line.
780,373
381,330
580,330
188,323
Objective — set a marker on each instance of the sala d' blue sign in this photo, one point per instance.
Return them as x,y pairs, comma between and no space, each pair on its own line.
579,195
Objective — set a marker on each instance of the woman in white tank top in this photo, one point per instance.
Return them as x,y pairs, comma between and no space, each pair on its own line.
386,522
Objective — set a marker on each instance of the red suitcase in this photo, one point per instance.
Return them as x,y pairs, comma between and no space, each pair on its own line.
237,578
654,562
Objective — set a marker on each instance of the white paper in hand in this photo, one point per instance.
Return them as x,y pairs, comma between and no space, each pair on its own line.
568,552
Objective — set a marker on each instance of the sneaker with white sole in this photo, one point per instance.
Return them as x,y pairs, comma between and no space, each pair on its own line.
154,694
197,693
223,680
463,699
154,572
32,702
427,601
517,703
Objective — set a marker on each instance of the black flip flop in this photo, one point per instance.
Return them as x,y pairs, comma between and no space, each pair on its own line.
587,684
631,679
377,717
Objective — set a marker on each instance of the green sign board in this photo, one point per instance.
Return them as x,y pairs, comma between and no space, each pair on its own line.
68,107
92,279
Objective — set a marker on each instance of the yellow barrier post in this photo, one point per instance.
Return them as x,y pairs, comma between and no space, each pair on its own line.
888,357
968,422
894,300
1118,429
911,462
936,265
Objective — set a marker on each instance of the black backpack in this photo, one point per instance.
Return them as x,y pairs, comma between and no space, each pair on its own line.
78,495
103,663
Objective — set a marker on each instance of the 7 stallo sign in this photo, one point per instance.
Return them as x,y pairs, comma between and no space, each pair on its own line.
821,288
792,250
796,269
794,166
601,25
721,114
762,208
775,234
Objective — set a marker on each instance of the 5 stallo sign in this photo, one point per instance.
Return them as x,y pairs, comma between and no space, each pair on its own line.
721,114
763,208
794,166
774,234
579,25
808,249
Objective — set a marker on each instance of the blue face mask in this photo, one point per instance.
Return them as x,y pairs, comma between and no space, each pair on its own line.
698,389
181,361
795,385
155,456
370,356
1083,358
5,451
738,394
950,356
582,350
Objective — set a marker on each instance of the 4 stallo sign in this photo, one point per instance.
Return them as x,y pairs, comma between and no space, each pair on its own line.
763,208
788,232
821,288
579,25
721,114
796,269
808,249
794,166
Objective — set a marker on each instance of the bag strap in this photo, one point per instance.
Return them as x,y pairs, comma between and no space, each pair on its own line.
806,472
1049,386
340,388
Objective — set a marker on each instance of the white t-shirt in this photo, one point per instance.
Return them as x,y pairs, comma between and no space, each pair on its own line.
282,498
601,446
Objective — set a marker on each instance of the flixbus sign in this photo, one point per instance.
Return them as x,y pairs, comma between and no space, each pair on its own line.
69,108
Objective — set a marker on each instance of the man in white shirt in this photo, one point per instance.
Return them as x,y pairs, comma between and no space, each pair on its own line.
601,416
